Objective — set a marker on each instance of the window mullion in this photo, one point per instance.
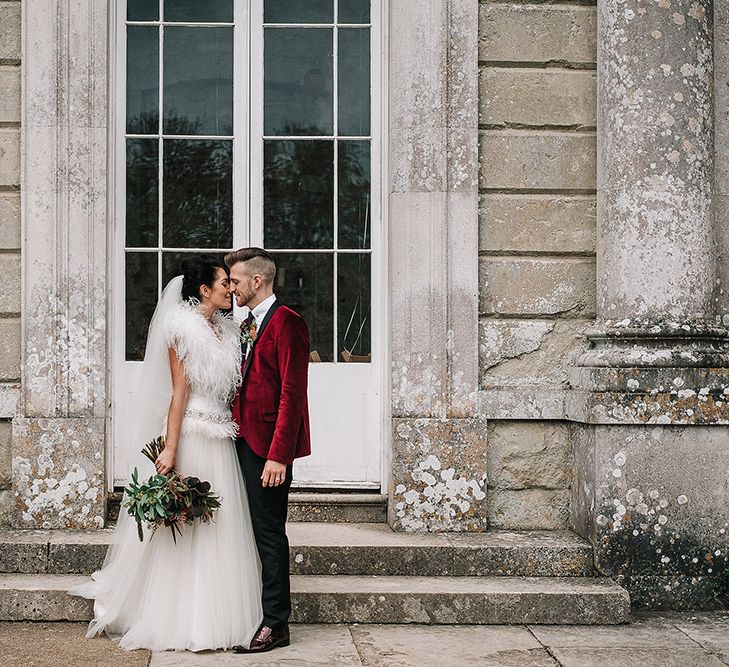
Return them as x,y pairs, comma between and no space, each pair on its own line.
160,151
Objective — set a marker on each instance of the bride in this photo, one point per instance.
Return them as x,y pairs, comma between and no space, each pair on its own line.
204,592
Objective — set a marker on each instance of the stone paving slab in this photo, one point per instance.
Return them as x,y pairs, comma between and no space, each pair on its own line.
436,646
311,645
64,645
630,657
61,645
635,635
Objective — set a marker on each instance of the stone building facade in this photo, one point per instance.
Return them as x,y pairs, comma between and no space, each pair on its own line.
555,182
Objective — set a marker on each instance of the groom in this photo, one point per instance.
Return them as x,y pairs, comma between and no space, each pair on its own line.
272,413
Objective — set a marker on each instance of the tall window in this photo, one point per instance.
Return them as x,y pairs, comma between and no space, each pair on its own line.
309,169
316,165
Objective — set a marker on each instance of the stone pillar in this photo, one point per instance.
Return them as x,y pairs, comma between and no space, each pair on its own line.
58,444
438,447
721,153
652,390
655,161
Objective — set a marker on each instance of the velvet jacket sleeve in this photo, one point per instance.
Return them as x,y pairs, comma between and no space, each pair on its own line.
293,365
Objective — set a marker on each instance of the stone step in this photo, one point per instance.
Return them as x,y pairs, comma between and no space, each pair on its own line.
353,599
331,507
344,549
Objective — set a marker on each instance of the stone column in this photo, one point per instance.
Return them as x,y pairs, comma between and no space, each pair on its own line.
655,161
58,445
650,461
438,449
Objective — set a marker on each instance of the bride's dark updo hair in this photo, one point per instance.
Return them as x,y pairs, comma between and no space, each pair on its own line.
198,270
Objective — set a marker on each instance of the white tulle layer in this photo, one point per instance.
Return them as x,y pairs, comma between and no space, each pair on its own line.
203,592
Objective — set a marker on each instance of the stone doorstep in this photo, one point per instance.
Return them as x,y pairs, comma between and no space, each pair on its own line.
341,549
315,507
351,599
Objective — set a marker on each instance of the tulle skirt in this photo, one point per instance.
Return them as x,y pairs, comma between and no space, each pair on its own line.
203,592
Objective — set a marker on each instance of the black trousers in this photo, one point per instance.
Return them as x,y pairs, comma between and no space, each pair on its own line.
269,507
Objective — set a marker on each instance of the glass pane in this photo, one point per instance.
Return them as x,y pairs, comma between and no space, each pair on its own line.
198,197
209,11
172,263
354,11
354,194
304,282
142,79
142,10
198,80
354,82
141,299
298,81
142,192
298,194
298,11
353,295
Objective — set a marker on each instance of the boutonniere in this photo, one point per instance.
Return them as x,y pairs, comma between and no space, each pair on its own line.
248,332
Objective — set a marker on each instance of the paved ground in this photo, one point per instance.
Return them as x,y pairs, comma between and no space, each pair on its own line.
669,640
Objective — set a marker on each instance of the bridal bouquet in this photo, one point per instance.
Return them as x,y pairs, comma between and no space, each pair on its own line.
168,500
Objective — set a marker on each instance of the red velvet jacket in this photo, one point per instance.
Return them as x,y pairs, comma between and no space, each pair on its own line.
271,407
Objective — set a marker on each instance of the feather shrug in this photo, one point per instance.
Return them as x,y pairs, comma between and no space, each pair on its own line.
212,359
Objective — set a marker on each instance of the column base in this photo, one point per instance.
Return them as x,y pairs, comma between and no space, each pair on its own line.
654,503
438,475
59,478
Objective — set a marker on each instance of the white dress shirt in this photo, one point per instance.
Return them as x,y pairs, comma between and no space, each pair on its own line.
259,312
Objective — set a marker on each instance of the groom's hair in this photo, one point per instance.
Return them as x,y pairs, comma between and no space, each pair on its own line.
257,261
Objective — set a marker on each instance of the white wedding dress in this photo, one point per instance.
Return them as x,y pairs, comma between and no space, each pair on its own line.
204,592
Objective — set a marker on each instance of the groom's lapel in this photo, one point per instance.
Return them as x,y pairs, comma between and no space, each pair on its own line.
246,365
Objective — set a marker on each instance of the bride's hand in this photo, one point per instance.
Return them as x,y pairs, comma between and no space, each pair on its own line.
165,461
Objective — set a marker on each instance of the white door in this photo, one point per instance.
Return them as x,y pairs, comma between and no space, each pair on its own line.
269,135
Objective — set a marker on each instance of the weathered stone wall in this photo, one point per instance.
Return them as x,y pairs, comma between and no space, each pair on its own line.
537,229
529,467
9,237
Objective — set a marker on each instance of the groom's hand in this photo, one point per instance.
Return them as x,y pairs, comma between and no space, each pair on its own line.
274,473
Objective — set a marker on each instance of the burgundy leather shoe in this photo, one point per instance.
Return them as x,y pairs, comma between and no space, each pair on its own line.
266,639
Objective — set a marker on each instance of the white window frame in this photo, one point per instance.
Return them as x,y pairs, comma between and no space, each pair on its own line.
248,197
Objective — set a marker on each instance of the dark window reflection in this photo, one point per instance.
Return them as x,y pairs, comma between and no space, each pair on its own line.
298,11
353,308
142,79
204,11
198,197
354,82
198,80
140,302
298,183
142,10
298,82
142,192
354,201
354,11
304,282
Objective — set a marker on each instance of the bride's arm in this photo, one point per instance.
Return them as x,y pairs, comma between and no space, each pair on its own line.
180,393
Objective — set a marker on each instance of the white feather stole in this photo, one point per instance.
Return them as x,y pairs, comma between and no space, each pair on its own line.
212,359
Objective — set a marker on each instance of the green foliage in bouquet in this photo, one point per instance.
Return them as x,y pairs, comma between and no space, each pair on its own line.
168,500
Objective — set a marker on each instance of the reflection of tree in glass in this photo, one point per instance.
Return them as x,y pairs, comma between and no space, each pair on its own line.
198,210
298,194
354,194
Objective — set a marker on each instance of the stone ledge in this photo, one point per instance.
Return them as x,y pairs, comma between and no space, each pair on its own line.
522,402
351,549
333,599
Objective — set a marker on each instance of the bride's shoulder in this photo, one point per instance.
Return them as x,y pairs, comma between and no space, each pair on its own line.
183,322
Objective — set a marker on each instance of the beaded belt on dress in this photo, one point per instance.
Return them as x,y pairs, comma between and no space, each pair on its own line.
213,417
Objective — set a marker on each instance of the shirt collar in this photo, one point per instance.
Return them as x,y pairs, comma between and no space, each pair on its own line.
259,312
